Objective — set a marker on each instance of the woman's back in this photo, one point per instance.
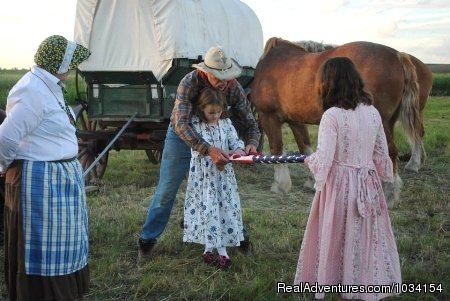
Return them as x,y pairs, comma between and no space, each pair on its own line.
357,132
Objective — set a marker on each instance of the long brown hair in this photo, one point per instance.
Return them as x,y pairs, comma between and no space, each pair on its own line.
341,85
210,96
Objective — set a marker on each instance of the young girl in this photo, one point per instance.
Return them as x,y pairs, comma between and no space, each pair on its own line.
348,238
212,211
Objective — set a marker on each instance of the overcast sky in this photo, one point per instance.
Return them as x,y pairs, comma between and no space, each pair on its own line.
419,27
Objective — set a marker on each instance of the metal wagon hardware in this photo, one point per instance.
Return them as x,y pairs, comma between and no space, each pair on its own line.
141,49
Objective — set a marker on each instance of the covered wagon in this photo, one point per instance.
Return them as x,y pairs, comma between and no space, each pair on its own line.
141,49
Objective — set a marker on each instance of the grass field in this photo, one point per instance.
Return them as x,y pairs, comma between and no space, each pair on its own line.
8,78
276,222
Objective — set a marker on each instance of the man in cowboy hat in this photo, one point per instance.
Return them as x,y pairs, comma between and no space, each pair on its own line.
217,71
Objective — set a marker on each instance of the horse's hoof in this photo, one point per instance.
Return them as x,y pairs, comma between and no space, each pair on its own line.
412,167
277,188
392,190
308,186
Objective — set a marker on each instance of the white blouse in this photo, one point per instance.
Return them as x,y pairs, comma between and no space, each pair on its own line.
36,128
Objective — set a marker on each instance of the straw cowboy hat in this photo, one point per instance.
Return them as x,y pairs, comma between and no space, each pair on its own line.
217,63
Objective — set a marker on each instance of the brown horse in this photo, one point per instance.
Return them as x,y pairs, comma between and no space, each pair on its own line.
285,90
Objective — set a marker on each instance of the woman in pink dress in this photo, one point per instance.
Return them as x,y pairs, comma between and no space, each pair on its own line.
348,242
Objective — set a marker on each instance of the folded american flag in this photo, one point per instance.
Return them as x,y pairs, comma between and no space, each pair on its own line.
268,159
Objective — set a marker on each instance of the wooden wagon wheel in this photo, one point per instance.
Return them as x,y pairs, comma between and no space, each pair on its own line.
154,155
90,146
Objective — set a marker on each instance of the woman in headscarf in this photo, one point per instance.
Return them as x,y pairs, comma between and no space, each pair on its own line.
46,221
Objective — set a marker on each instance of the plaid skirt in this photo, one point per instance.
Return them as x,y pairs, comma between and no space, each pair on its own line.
20,284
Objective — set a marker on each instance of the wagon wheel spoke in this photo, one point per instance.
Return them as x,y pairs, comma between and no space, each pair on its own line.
90,148
154,155
82,152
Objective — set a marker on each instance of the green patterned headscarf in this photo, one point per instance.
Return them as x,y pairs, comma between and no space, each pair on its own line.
57,55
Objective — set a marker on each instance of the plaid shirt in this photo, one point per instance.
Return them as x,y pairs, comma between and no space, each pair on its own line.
238,108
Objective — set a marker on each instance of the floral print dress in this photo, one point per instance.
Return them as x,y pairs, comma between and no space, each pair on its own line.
212,211
348,238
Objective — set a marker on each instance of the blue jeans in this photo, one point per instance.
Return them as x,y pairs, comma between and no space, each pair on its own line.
174,165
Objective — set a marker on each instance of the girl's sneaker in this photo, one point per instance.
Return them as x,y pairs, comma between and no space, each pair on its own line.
223,262
210,258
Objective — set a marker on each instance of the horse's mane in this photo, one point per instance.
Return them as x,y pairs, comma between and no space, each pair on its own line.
274,42
312,46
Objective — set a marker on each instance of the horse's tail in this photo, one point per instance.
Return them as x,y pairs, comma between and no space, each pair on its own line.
410,115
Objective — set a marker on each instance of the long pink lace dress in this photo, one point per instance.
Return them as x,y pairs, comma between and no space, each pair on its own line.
348,238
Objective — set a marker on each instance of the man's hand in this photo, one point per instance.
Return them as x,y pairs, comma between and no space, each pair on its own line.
218,156
239,152
250,149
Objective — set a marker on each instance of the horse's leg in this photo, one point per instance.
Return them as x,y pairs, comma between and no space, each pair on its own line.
418,153
411,118
418,156
272,127
411,109
392,189
301,135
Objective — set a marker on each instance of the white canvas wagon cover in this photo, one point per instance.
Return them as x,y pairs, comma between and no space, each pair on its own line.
146,35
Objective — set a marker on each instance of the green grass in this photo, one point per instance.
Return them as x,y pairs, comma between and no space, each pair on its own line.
276,222
441,84
8,78
437,135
